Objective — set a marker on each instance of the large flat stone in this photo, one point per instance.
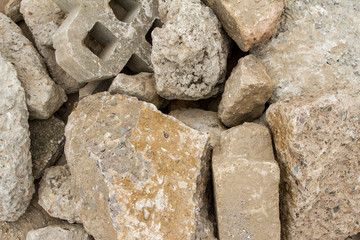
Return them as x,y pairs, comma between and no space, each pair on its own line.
317,143
139,174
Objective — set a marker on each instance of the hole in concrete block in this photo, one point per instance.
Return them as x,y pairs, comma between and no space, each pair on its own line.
157,23
125,10
101,41
138,65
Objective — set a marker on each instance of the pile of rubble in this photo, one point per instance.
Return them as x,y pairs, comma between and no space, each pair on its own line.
179,119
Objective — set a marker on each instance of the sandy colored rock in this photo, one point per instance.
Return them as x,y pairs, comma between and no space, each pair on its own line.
248,22
203,121
139,174
43,18
16,181
47,143
141,86
189,57
246,92
317,47
246,183
317,144
43,96
12,10
59,232
56,195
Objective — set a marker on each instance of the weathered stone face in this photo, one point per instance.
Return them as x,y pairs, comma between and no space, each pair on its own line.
139,174
59,232
99,37
16,181
248,22
246,182
12,10
317,143
246,92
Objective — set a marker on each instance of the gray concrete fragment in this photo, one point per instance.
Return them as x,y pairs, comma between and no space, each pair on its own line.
59,232
43,96
94,87
189,52
141,86
98,38
16,181
12,10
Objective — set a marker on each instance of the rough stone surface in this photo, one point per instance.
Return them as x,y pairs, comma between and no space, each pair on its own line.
56,195
99,37
16,181
47,143
246,92
189,57
94,87
43,96
12,10
43,18
203,121
317,47
141,86
246,182
59,232
248,22
139,174
317,142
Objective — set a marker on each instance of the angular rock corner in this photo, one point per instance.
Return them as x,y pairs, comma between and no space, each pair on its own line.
137,172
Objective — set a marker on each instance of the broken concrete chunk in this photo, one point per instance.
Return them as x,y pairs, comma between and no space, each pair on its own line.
248,22
43,96
246,92
246,182
139,174
16,181
43,18
56,195
12,10
94,87
203,121
317,47
99,37
141,86
59,232
189,57
47,143
317,144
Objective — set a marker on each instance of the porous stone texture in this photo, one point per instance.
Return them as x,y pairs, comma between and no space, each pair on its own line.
246,92
248,22
139,174
189,57
47,143
203,121
56,194
16,181
317,47
43,96
141,86
44,17
12,10
100,37
246,183
59,232
317,144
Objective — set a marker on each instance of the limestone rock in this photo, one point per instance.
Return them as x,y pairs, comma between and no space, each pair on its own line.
141,86
56,195
189,57
139,174
59,232
43,18
248,22
12,10
317,144
47,143
246,182
203,121
246,92
43,96
16,181
317,47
